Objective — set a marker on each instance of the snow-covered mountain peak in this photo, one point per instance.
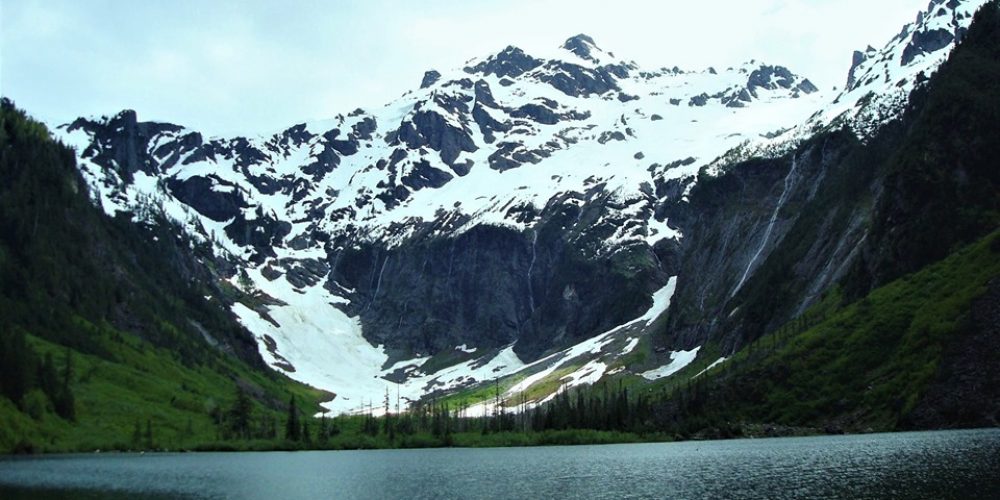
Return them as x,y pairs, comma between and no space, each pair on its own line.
920,46
584,47
510,131
511,62
879,81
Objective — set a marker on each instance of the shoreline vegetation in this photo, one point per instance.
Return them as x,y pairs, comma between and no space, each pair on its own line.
518,439
470,439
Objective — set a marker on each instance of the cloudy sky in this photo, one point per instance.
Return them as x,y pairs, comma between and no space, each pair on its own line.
247,66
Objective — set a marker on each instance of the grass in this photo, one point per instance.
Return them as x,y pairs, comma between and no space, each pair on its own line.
861,366
140,384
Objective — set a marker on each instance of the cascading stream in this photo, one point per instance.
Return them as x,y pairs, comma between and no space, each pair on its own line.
770,225
379,285
531,267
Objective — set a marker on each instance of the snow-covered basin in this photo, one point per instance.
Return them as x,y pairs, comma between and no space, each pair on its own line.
328,351
593,370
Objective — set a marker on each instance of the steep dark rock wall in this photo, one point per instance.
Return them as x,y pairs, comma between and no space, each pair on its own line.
763,240
491,286
127,141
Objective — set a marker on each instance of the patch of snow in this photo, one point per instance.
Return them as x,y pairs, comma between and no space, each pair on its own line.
709,367
632,343
678,360
659,231
661,301
595,345
407,363
589,373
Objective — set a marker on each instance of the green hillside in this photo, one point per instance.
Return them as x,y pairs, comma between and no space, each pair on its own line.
875,364
122,304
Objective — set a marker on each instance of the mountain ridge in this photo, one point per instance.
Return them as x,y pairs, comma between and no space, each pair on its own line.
561,184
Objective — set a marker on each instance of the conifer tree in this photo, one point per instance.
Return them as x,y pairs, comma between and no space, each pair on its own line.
137,435
149,434
293,428
65,403
240,414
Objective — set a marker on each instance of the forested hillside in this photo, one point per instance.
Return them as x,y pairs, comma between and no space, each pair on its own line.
109,323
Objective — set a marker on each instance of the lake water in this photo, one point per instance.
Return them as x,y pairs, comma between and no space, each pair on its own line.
953,464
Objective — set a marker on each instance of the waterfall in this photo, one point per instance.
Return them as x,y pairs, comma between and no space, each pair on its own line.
531,267
379,285
406,306
659,264
770,225
451,259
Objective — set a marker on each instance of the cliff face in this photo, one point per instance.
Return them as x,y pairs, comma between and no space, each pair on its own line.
767,238
494,286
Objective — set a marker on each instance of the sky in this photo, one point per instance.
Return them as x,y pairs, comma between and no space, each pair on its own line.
255,66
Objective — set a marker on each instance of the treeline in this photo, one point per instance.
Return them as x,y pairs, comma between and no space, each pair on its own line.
242,420
437,423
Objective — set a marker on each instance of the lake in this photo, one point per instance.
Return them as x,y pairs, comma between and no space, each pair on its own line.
955,464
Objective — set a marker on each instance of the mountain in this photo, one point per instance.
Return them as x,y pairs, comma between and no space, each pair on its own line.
514,179
853,195
107,325
553,220
874,272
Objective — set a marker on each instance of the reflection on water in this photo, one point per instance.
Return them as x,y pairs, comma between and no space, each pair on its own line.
962,464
